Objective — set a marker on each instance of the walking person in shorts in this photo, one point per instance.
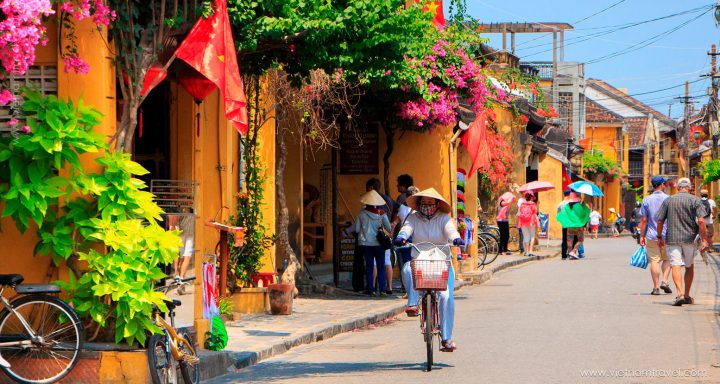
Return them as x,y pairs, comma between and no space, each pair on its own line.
710,210
684,214
649,238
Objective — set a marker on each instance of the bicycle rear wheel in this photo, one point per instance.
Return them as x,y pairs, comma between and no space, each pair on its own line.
493,247
55,350
482,251
190,364
429,318
163,368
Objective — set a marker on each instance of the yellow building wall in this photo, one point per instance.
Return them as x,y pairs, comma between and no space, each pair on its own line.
601,138
97,88
551,170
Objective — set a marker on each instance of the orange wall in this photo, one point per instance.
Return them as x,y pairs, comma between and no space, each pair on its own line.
97,88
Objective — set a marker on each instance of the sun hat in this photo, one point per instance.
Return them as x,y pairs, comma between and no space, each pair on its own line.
704,192
372,198
414,200
684,183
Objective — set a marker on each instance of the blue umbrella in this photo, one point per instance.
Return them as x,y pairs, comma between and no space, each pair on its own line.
586,188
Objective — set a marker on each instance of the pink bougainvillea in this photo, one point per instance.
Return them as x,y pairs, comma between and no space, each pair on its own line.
443,77
21,31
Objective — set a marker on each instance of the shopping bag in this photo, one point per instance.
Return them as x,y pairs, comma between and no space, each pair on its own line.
639,258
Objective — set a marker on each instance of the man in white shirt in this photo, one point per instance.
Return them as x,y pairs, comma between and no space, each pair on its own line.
709,219
594,223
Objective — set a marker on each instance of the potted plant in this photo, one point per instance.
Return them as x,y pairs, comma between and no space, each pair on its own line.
281,298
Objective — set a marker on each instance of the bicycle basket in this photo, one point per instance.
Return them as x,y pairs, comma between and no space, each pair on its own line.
430,274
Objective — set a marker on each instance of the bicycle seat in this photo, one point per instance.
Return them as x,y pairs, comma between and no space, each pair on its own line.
12,279
171,304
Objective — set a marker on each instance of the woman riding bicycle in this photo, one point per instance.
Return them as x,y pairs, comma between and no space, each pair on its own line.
431,223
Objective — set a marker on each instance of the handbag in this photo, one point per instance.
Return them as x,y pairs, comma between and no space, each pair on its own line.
383,238
639,258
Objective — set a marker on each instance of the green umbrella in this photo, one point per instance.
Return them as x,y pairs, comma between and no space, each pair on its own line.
574,215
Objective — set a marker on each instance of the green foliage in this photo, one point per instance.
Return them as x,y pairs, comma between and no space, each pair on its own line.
710,170
111,210
226,306
594,163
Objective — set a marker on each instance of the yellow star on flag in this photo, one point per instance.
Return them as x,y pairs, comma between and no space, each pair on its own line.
221,58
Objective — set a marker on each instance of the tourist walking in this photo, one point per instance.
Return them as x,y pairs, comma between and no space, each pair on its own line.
595,218
649,237
563,246
528,223
684,216
574,216
367,225
373,184
503,208
613,220
711,210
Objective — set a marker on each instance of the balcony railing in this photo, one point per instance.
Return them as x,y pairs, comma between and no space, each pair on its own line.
635,168
669,168
544,69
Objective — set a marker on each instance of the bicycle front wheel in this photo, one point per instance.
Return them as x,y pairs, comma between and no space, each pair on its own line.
163,368
55,349
482,251
190,363
429,318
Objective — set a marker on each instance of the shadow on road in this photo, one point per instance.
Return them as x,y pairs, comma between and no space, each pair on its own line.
285,370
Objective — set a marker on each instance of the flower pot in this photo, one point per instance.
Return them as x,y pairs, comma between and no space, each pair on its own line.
281,298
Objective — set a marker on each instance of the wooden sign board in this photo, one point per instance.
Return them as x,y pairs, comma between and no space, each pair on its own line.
360,151
347,254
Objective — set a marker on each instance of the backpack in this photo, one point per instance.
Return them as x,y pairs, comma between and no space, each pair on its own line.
708,209
526,213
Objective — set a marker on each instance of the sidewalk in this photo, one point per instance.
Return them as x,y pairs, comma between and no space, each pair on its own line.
316,318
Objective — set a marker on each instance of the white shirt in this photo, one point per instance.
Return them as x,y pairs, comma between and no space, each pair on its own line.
595,218
709,219
440,229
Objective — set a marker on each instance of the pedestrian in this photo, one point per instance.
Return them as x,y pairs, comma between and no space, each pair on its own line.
503,224
595,218
186,225
367,225
685,215
373,184
711,209
563,246
521,245
528,223
404,182
649,237
613,219
431,223
574,216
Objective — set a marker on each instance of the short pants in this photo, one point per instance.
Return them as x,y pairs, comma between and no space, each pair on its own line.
681,254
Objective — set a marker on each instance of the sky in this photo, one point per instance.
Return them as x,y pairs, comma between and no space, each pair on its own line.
674,52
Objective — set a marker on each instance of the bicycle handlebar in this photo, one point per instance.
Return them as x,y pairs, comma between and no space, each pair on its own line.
414,245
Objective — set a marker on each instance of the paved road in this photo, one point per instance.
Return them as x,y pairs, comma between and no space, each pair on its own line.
546,322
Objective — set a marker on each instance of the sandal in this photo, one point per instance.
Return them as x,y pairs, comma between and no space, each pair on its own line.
412,311
448,346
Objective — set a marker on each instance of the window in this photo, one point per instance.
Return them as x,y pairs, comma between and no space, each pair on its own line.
40,77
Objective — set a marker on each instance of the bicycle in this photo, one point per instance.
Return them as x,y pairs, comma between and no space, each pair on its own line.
491,247
492,229
172,350
40,335
431,277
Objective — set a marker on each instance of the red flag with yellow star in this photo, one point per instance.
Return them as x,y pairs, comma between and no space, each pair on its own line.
435,7
210,49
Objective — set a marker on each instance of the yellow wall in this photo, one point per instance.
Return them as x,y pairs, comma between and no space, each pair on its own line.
97,88
551,171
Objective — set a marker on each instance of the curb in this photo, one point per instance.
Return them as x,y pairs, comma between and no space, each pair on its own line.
220,363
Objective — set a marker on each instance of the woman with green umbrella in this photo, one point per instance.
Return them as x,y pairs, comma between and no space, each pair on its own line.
574,216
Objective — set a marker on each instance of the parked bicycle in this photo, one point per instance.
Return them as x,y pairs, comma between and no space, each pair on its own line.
40,335
489,247
172,350
431,277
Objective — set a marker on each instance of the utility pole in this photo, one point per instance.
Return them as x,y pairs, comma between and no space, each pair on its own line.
713,102
684,142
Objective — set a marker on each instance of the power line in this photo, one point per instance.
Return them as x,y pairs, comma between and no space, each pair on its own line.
599,12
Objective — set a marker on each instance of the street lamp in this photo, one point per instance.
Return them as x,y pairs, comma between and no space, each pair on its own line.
717,13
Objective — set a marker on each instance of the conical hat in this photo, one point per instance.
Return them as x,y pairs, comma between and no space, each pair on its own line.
372,198
414,200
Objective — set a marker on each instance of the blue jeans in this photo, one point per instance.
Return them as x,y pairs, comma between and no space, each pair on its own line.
446,305
374,256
